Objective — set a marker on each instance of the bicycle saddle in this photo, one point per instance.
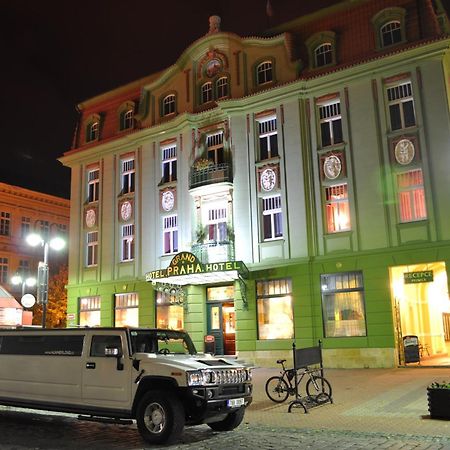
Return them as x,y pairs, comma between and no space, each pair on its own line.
280,361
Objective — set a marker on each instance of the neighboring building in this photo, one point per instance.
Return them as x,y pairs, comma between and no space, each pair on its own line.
23,211
313,162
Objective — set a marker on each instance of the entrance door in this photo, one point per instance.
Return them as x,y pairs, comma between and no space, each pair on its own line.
222,325
420,303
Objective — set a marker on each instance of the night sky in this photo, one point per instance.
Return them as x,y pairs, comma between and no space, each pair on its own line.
57,53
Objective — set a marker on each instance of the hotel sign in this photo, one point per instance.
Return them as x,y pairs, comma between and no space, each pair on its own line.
425,276
186,263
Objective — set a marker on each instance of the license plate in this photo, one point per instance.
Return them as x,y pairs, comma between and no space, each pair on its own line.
235,402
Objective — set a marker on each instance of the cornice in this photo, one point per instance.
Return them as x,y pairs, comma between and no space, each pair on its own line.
28,194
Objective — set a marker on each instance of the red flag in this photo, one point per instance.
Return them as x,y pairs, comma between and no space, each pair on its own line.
269,10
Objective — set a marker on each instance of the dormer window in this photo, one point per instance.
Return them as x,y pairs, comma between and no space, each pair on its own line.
126,119
206,92
168,105
222,87
323,55
321,49
264,73
389,27
92,131
391,33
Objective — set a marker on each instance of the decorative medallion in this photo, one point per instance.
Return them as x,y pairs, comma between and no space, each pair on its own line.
91,218
213,67
167,200
332,167
126,210
404,151
268,179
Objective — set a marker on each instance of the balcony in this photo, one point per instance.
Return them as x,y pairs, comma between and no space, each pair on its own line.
213,173
212,252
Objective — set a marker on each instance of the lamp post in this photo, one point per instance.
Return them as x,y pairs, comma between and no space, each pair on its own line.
56,243
17,279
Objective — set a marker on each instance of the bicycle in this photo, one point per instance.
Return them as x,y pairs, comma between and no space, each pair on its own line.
279,388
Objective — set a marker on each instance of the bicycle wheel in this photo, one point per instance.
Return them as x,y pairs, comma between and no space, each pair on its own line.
277,389
319,389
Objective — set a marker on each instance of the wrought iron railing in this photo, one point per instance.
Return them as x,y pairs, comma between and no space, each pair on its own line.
215,173
214,251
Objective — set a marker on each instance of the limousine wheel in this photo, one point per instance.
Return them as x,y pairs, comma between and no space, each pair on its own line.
230,422
160,417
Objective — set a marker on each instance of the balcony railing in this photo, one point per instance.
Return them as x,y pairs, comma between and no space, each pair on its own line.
215,173
211,252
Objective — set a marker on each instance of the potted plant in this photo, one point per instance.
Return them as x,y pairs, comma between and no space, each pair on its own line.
439,400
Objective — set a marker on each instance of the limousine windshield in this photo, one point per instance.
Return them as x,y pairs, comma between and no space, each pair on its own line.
162,342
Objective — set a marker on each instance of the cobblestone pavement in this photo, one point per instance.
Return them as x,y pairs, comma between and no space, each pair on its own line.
21,430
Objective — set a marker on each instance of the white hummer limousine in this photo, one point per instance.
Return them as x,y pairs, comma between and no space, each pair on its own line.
154,376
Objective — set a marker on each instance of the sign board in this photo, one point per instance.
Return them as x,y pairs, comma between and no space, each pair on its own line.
28,300
70,316
425,276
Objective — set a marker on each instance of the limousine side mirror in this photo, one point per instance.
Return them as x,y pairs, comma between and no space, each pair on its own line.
115,352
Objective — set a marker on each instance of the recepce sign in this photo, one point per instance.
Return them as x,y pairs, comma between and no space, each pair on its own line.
425,276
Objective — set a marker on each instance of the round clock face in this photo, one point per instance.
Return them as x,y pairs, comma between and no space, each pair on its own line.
90,218
404,151
125,210
167,200
332,167
268,179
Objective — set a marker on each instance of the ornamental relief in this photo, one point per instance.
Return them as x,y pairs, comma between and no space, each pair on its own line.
332,166
126,210
212,63
268,177
404,150
90,217
167,200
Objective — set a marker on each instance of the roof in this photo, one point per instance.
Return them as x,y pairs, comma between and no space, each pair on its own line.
7,300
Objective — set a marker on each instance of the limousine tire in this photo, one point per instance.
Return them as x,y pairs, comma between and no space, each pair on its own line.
230,422
160,417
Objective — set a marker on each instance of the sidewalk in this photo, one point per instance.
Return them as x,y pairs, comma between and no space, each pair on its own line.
378,400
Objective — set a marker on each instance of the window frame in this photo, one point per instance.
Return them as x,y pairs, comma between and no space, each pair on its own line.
413,194
336,204
130,302
93,184
329,114
383,18
267,128
170,230
92,305
264,72
206,92
127,175
169,158
400,93
4,269
92,249
324,291
5,223
127,241
168,105
275,215
327,55
222,89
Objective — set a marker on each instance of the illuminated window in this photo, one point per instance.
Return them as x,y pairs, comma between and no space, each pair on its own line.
127,176
169,104
214,144
272,218
90,311
126,310
391,33
92,248
5,223
169,163
25,227
222,87
411,196
126,119
264,72
401,106
274,306
268,138
93,177
323,55
337,208
206,92
127,242
343,304
4,270
330,123
169,314
217,224
92,131
170,234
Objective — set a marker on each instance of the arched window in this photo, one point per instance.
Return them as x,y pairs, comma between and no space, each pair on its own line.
264,72
323,54
92,131
391,33
222,87
206,92
168,105
126,119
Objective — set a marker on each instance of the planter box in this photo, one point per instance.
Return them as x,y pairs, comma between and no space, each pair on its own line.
439,403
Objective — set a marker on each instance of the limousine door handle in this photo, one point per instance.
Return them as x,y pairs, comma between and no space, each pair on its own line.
90,365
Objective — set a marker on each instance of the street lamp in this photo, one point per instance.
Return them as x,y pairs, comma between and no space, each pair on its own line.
56,243
17,279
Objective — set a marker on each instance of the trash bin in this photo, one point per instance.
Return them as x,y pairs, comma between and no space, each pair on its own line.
210,344
411,348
